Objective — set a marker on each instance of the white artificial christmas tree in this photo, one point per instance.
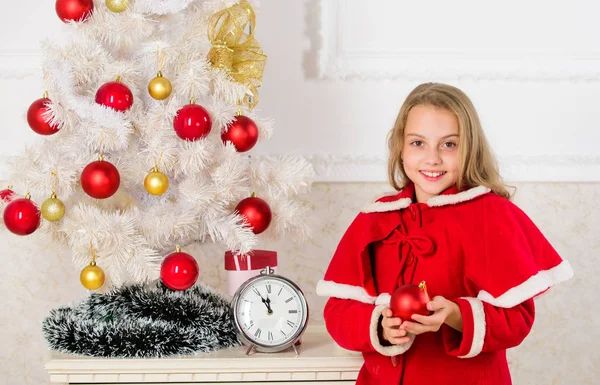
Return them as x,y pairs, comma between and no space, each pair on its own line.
133,230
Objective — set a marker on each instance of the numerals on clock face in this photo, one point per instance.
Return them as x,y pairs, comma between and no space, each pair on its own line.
270,312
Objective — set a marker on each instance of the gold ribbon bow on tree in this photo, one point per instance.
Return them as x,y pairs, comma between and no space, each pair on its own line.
235,49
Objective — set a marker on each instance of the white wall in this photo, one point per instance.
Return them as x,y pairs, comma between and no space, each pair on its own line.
338,71
24,24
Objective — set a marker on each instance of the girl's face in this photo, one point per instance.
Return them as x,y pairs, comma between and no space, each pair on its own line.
430,150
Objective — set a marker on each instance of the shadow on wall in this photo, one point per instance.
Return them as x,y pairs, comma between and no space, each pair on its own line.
312,25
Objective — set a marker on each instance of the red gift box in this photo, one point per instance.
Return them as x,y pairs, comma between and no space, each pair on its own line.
241,268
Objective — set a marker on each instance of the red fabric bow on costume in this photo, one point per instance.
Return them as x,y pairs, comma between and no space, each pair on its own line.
419,245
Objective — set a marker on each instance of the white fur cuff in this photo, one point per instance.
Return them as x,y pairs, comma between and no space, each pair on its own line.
479,326
386,350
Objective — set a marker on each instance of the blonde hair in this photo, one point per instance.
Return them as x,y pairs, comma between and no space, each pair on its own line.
477,165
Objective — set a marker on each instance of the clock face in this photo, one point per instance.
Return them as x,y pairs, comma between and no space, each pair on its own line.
271,312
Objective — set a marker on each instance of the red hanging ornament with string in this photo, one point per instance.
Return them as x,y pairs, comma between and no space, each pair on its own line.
100,179
74,10
22,216
179,270
242,133
36,120
115,95
7,194
256,212
192,122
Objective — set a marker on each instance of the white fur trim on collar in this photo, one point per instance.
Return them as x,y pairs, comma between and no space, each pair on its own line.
437,201
530,288
478,327
379,207
443,200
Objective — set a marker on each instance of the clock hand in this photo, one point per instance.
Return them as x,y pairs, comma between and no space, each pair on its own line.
267,303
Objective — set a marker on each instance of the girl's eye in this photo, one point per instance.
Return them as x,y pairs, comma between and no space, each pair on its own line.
417,143
449,145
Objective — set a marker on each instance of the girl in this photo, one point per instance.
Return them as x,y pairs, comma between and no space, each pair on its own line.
451,224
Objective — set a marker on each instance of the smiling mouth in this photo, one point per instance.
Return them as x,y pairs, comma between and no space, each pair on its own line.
434,175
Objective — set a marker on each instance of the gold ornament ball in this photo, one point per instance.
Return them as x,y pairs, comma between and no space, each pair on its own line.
156,183
92,277
53,209
117,5
160,87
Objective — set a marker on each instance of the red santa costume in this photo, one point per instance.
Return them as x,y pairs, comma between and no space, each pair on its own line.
474,248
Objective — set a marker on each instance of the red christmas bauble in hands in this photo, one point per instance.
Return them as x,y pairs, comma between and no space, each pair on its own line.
257,212
242,132
75,10
192,122
179,271
408,300
22,216
115,95
6,194
36,120
100,179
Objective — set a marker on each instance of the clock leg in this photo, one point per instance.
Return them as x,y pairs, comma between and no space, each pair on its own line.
295,350
249,350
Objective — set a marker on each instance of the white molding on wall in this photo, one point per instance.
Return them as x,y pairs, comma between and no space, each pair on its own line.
547,168
365,169
338,60
348,168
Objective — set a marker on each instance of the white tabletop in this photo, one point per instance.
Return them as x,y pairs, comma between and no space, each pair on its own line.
319,359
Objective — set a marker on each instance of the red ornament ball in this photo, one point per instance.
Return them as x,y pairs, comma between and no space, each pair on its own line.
115,95
179,271
74,10
36,120
6,195
100,179
22,216
257,212
242,133
192,122
408,300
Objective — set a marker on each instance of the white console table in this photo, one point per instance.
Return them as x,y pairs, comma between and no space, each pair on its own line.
320,361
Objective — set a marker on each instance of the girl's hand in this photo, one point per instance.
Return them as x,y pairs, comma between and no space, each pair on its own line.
444,311
391,331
